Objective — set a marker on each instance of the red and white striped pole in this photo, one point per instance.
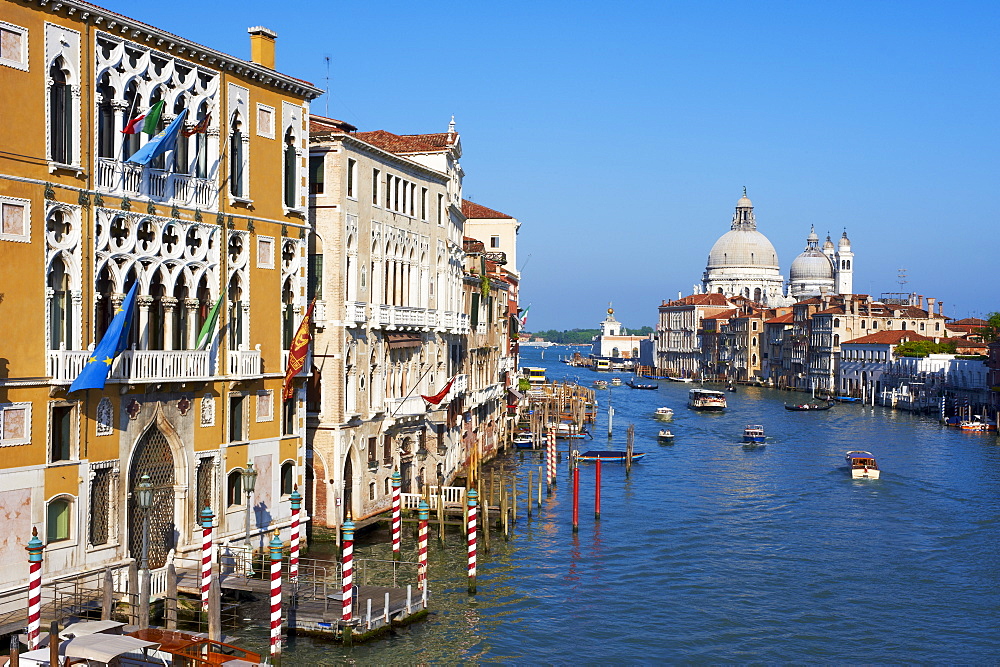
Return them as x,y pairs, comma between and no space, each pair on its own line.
206,555
576,493
293,539
34,549
423,512
347,562
276,547
397,515
551,459
473,502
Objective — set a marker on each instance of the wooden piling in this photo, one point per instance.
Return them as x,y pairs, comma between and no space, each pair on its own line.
170,601
108,596
215,606
133,589
441,513
531,474
629,443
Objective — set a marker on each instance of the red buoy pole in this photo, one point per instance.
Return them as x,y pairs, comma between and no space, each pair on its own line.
576,494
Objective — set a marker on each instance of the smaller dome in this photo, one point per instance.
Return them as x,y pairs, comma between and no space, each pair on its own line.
744,202
828,244
809,266
844,241
812,238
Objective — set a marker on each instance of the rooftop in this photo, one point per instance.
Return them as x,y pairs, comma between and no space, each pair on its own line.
473,210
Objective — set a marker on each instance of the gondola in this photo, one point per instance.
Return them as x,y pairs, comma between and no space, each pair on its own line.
642,385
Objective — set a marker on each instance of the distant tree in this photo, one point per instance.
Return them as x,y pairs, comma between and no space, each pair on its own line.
579,336
921,348
991,331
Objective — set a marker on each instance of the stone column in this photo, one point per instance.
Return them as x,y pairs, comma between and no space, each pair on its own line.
169,304
191,308
144,302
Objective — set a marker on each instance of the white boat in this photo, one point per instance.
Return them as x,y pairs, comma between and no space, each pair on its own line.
677,379
754,433
862,465
706,399
977,423
665,436
102,644
524,441
616,382
664,414
600,384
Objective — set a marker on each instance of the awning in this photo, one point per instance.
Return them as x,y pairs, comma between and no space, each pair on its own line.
515,394
401,340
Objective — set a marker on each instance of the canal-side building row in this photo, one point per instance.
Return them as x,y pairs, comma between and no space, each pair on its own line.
220,216
224,237
411,307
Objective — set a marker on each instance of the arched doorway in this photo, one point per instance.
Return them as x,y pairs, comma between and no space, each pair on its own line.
348,488
153,457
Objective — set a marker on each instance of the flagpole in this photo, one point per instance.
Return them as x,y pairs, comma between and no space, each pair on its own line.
415,384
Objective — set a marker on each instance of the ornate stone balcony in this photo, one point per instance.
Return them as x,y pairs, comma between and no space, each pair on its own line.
124,178
244,363
410,406
135,366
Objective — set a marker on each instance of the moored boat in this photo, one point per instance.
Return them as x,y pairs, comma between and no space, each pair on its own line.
754,433
664,414
608,456
977,423
862,465
706,399
665,437
679,379
524,441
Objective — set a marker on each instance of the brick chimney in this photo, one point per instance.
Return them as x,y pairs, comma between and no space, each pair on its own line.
262,46
930,305
920,301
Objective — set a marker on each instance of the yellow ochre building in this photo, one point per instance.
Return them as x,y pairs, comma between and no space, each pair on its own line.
223,213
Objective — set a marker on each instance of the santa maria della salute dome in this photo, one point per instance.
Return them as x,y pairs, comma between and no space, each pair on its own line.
744,263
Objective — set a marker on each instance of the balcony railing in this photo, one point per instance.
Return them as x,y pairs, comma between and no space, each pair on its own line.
405,407
135,365
117,177
355,313
461,384
244,363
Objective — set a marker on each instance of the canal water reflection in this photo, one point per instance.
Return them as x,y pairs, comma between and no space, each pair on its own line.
710,552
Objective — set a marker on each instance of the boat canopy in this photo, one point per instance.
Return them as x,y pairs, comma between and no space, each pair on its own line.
103,648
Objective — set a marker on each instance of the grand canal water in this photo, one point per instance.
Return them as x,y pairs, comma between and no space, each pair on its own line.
713,553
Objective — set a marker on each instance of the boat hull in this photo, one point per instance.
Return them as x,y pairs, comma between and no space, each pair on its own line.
754,438
609,456
865,473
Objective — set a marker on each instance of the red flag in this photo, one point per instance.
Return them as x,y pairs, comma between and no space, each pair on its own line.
200,128
131,127
438,397
297,354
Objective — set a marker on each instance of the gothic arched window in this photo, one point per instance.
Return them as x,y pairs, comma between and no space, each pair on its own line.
291,191
60,113
236,158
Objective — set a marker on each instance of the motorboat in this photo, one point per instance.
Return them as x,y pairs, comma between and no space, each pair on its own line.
977,423
600,384
754,433
643,385
665,437
567,431
862,465
616,382
706,399
664,414
806,407
524,441
618,457
679,379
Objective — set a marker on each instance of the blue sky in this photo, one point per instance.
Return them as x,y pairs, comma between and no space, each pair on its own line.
622,134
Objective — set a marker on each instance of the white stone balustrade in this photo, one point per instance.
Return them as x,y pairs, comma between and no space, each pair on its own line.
244,363
135,365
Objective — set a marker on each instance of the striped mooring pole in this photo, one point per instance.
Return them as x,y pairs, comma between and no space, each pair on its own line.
275,547
423,512
34,549
206,555
397,516
473,502
347,563
576,492
293,539
552,459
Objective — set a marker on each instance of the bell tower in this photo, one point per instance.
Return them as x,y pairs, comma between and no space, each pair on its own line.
845,266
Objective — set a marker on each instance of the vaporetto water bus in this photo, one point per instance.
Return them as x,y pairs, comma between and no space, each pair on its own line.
706,399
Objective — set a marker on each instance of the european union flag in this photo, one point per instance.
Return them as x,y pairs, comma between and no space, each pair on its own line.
161,143
95,372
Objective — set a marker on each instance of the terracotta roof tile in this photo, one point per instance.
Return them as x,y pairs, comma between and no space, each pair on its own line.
893,337
408,143
712,299
473,210
969,321
322,124
781,319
